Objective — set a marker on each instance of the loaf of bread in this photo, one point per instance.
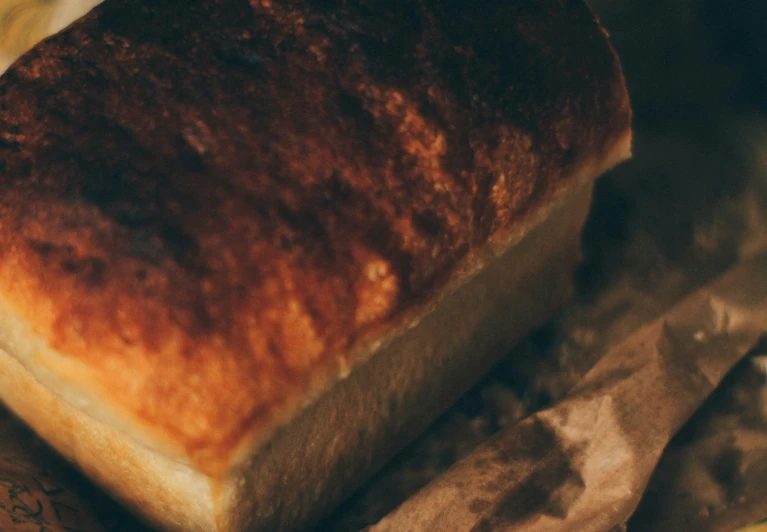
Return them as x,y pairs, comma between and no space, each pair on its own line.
249,249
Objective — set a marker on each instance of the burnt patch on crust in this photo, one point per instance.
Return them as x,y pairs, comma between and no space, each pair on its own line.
90,271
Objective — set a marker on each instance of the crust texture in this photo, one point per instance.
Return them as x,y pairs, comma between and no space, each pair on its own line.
208,206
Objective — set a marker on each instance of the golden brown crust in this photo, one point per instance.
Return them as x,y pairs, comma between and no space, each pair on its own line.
219,199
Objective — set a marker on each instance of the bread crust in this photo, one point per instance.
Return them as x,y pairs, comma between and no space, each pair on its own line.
211,205
330,447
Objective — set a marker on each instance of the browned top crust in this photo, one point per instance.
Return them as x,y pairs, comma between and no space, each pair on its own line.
209,203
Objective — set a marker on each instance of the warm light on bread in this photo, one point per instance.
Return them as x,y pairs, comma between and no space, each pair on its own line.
249,250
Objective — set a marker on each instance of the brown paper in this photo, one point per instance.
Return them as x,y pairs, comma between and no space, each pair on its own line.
583,464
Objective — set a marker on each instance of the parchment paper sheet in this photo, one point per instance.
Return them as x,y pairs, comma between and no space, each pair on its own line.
583,464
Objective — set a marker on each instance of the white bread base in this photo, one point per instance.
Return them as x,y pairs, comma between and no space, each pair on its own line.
330,448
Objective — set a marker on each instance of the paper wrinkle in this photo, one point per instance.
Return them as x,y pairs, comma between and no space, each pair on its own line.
603,456
712,475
